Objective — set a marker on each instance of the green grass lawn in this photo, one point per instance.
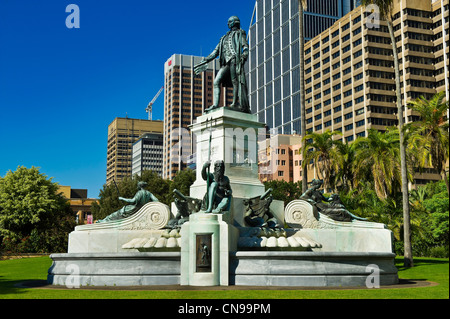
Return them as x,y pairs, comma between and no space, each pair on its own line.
15,271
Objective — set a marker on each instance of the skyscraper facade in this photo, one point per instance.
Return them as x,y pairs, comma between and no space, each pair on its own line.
273,67
148,154
122,134
349,69
186,96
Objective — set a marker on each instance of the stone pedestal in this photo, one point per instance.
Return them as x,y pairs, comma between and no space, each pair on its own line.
234,139
207,240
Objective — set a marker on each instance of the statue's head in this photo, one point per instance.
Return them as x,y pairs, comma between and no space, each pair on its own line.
142,185
316,183
219,169
234,22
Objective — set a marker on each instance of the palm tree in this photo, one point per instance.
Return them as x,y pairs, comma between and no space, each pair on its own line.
301,7
385,9
344,161
432,131
320,148
376,158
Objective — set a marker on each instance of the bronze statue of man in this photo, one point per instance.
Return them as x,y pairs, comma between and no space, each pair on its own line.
232,51
217,199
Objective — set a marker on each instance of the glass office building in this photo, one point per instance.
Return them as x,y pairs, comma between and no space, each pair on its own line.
273,67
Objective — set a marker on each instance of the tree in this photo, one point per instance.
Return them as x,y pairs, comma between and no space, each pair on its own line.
321,149
344,161
430,203
301,7
385,9
432,132
34,215
183,181
284,191
437,206
376,158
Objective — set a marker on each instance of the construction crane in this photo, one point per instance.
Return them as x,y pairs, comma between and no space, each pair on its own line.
149,106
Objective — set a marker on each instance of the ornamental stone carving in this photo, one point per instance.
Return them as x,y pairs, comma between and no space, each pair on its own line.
152,216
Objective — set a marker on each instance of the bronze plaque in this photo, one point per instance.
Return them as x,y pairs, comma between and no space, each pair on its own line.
203,256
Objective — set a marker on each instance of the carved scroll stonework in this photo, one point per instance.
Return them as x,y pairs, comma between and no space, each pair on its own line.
152,216
301,214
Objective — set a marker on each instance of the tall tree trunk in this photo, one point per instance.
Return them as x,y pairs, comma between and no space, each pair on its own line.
408,258
302,95
444,177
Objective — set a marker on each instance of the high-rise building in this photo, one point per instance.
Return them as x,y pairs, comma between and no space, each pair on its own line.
349,69
186,95
148,154
273,68
122,134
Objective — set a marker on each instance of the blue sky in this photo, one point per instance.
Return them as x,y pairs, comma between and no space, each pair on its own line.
60,88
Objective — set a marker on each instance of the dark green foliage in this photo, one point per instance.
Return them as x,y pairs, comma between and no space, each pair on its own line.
183,181
34,216
285,191
429,216
432,203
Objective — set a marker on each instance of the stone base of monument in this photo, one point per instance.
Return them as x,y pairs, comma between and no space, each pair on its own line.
115,269
308,249
314,251
247,268
310,269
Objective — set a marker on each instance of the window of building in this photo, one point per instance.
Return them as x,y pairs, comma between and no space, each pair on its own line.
346,26
360,123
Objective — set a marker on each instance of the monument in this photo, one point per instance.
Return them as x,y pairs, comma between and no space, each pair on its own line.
229,230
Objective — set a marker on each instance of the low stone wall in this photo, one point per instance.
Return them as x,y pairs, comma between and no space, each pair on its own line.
310,269
115,269
247,268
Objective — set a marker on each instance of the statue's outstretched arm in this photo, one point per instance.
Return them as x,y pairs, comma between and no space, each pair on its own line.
128,200
213,54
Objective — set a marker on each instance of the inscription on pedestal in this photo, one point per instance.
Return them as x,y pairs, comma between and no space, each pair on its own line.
203,256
